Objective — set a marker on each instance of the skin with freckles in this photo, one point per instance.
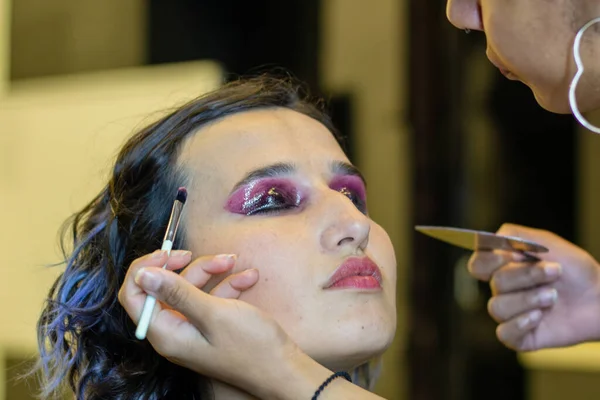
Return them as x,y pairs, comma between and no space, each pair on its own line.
274,187
531,41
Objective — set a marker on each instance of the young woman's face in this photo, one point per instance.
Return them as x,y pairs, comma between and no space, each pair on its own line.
274,187
531,41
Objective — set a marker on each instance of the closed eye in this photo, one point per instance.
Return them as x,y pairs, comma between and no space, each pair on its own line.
264,196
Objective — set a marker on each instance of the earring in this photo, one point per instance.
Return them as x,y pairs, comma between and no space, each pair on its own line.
575,81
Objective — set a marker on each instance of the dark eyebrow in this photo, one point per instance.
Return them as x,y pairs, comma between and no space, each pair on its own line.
344,168
268,171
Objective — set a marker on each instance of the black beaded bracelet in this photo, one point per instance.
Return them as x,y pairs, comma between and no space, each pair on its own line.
329,380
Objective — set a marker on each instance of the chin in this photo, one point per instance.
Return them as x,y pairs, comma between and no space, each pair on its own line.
556,102
353,344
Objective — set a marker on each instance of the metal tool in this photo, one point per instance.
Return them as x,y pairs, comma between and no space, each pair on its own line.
481,240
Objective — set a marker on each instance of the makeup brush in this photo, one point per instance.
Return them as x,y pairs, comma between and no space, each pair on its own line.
167,245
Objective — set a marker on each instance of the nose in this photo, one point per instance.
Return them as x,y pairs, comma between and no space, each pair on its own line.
346,229
465,14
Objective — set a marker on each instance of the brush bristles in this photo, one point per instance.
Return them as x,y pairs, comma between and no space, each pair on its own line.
181,195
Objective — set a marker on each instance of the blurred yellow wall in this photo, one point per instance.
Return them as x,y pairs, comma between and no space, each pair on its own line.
5,18
68,36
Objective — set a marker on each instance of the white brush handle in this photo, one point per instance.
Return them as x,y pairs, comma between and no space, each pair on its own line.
144,323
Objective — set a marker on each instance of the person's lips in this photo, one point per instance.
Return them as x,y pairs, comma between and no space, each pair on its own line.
356,273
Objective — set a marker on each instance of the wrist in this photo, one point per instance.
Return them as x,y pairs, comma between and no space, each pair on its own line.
296,378
300,377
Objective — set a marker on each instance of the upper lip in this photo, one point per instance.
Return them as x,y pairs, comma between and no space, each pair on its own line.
355,266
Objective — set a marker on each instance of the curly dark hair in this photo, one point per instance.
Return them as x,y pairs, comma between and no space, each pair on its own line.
86,340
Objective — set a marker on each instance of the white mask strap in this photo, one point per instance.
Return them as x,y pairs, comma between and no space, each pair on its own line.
575,81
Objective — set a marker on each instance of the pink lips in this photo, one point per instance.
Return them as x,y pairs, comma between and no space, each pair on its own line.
356,273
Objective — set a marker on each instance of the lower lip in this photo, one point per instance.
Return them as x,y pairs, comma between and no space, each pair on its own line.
508,74
357,282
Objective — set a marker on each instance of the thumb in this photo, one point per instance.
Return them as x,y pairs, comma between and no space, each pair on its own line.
523,232
551,241
180,295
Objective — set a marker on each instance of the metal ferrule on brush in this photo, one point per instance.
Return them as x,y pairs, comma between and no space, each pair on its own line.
172,225
176,210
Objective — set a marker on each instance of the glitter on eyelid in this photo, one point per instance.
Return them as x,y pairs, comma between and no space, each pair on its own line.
250,203
265,195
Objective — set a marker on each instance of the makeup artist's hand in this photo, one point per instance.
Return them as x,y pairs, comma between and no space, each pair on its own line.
214,334
551,303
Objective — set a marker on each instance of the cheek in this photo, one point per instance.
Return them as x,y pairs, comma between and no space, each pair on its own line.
519,34
285,278
505,37
510,29
383,254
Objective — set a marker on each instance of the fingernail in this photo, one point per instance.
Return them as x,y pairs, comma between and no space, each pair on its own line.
500,259
529,319
546,297
181,253
535,316
147,280
158,254
552,270
523,322
226,257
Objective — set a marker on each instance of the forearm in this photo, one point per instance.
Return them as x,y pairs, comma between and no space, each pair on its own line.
299,378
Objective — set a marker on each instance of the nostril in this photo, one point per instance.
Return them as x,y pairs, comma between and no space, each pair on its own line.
346,240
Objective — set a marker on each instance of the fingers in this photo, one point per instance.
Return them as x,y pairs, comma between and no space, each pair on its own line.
131,296
513,333
165,321
179,294
508,306
181,302
523,232
483,264
199,272
541,236
176,260
234,285
520,276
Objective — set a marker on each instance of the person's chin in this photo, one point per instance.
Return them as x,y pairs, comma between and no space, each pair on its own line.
350,357
346,351
556,101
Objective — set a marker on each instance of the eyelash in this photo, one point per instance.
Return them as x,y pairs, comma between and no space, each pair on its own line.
355,197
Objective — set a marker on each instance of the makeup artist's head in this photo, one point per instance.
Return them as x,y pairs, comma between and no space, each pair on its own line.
531,41
268,181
